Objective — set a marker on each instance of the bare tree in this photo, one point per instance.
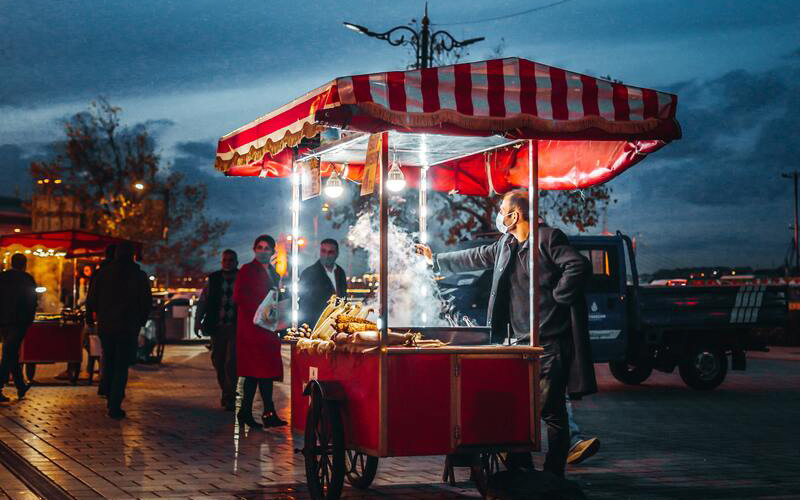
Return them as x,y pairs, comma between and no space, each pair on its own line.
125,191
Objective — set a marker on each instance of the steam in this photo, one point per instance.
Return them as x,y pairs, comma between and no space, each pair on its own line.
414,298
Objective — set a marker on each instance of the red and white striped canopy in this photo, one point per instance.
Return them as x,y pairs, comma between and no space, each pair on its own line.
514,98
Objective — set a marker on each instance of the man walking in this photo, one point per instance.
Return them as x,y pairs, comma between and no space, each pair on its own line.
17,310
563,274
120,297
321,280
216,316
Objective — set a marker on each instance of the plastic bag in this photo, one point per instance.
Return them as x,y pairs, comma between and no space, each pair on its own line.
267,313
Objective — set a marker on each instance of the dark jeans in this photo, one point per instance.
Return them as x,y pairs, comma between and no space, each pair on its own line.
554,375
119,352
12,340
223,357
249,393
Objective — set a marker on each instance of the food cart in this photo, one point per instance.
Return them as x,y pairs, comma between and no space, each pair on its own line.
55,259
475,129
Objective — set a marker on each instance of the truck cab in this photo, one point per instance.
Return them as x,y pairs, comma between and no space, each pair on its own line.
701,330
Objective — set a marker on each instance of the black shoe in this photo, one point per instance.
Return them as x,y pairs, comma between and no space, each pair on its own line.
247,420
116,414
3,398
272,419
22,390
582,450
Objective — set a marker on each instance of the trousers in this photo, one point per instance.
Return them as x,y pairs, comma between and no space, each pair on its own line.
553,378
12,341
119,352
223,357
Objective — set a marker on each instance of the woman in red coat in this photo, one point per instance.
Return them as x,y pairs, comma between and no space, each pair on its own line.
258,351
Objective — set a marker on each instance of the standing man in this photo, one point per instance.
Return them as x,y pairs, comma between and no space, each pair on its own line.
319,281
258,350
563,274
120,297
17,310
102,386
216,315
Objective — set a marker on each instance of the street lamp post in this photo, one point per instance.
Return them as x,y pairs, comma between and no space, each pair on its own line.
424,42
796,229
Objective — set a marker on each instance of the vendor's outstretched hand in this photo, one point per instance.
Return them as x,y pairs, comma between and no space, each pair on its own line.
424,250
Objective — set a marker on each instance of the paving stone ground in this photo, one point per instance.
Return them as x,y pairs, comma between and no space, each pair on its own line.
659,440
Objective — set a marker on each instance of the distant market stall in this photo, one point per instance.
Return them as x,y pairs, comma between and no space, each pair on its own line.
473,129
61,263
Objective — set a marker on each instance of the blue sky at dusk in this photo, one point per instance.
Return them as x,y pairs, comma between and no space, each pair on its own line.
195,70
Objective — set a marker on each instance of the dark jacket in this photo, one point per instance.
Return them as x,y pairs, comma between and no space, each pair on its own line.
315,290
563,275
89,311
208,307
17,298
120,295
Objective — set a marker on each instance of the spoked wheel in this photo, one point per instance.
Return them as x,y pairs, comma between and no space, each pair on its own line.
324,449
360,469
486,465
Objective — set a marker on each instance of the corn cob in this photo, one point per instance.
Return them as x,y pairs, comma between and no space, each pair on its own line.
333,303
354,327
345,318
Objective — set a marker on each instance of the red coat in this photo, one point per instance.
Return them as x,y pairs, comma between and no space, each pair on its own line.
258,351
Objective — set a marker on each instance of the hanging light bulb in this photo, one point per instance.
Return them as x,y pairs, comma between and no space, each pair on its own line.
396,181
334,187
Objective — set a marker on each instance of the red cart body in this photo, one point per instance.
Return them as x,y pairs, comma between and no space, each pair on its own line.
50,342
411,402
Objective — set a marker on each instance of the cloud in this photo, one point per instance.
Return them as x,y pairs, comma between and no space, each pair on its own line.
716,197
253,206
15,160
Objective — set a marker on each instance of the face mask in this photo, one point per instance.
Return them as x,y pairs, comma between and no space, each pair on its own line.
498,221
263,257
328,261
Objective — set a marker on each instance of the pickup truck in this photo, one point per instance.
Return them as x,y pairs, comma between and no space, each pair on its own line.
639,328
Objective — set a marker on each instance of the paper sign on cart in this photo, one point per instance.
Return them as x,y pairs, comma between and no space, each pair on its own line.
371,164
310,177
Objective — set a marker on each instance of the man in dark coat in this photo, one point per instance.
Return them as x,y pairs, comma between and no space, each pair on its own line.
17,310
121,300
216,316
319,281
102,386
563,275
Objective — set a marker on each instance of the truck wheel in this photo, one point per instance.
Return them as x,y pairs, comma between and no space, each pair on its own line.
704,367
628,373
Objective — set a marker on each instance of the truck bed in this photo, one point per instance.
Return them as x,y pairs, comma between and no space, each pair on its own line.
718,307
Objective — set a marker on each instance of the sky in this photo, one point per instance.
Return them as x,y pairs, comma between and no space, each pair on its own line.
195,70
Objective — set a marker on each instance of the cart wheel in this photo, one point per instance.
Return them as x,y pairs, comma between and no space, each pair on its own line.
360,469
486,465
30,371
324,449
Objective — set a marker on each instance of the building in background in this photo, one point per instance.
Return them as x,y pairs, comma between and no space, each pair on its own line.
15,216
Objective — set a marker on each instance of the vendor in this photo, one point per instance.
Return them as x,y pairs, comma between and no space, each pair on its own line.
563,275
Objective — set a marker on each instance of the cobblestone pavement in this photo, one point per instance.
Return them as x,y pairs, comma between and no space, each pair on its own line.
659,440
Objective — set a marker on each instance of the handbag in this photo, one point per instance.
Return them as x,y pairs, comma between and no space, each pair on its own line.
267,312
